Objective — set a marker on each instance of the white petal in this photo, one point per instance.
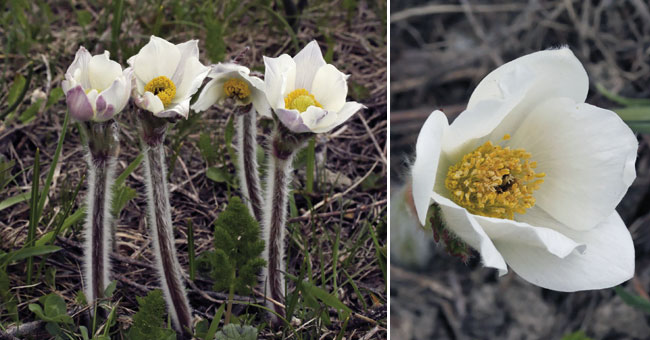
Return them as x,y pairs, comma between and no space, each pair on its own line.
507,95
78,70
115,97
473,124
587,154
427,154
279,79
607,261
505,232
312,115
551,73
211,94
102,71
175,110
258,98
308,61
555,73
332,120
330,87
190,73
157,58
227,68
152,103
465,226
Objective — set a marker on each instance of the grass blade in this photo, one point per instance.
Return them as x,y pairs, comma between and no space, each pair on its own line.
15,200
190,248
31,234
50,174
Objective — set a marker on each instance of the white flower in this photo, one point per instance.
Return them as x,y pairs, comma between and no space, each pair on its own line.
234,81
166,76
95,87
307,94
530,175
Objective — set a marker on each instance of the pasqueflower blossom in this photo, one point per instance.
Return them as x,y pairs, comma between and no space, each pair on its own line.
95,87
229,80
307,94
530,175
166,76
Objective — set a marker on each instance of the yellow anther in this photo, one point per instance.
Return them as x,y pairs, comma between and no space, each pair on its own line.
162,87
235,87
506,136
300,100
494,181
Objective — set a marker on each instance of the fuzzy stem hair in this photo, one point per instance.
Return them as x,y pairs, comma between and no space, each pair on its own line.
249,178
160,224
100,153
284,146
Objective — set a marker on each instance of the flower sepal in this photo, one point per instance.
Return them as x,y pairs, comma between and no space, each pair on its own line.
103,141
454,246
286,142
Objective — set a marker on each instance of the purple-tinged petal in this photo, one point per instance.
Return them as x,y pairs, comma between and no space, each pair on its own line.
78,104
292,120
104,111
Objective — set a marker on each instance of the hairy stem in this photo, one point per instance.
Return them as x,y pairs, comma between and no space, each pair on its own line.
249,178
160,223
284,146
100,153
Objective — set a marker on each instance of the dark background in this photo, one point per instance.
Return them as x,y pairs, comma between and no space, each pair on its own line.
439,53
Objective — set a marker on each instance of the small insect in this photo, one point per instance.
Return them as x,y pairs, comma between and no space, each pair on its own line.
506,183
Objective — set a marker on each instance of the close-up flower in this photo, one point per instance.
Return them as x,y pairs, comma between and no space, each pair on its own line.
233,81
530,175
166,76
306,93
96,88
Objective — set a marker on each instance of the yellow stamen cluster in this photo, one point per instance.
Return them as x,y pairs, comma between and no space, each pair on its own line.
162,87
235,87
494,181
300,100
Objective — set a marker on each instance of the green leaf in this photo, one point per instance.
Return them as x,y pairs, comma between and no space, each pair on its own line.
229,134
206,148
373,181
122,196
219,175
54,309
129,169
55,96
15,200
110,289
633,300
326,297
215,44
16,89
84,17
149,321
29,114
621,100
237,332
24,253
311,164
578,335
634,113
209,335
238,247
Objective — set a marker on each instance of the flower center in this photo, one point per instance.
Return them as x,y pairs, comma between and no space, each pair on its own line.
162,87
236,88
300,100
494,181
